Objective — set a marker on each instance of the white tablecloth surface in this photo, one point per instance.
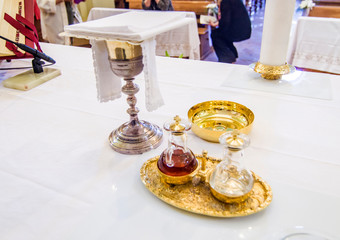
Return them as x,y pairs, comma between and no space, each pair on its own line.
315,44
60,179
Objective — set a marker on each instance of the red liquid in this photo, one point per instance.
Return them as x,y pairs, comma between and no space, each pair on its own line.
184,163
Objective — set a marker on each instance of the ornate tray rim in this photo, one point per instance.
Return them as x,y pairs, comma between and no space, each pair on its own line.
223,214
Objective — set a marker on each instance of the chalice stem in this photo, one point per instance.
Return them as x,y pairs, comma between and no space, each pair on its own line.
130,89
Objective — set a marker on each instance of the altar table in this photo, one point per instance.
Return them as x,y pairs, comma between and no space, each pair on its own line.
60,179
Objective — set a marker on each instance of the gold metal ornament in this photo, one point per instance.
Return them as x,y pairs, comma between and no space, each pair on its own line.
270,72
213,118
196,196
177,180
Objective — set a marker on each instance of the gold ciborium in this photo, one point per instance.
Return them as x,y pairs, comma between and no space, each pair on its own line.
135,136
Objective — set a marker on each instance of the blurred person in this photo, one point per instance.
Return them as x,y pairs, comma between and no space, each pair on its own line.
232,25
161,5
55,14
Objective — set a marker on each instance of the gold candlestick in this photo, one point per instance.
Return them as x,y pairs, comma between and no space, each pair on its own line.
135,136
270,72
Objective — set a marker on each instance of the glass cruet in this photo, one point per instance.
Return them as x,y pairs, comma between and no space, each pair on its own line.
230,178
177,159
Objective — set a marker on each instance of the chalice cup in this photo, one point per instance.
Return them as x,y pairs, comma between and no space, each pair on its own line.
135,136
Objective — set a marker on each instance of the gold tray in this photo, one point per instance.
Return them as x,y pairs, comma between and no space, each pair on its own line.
198,198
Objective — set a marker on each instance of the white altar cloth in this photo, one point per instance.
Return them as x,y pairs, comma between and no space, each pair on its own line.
297,83
60,179
315,44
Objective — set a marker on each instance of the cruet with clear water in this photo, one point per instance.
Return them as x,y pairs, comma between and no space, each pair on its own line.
230,181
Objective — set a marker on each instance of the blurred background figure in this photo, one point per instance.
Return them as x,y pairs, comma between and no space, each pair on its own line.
162,5
55,14
233,25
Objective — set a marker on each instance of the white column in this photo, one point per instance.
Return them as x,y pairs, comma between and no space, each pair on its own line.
276,29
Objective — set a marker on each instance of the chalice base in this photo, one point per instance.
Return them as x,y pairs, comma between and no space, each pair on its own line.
136,137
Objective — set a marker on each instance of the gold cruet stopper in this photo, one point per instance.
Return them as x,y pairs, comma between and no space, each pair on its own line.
178,126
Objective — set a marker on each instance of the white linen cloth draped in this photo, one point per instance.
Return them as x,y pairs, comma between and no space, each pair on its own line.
183,40
134,26
109,85
315,44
